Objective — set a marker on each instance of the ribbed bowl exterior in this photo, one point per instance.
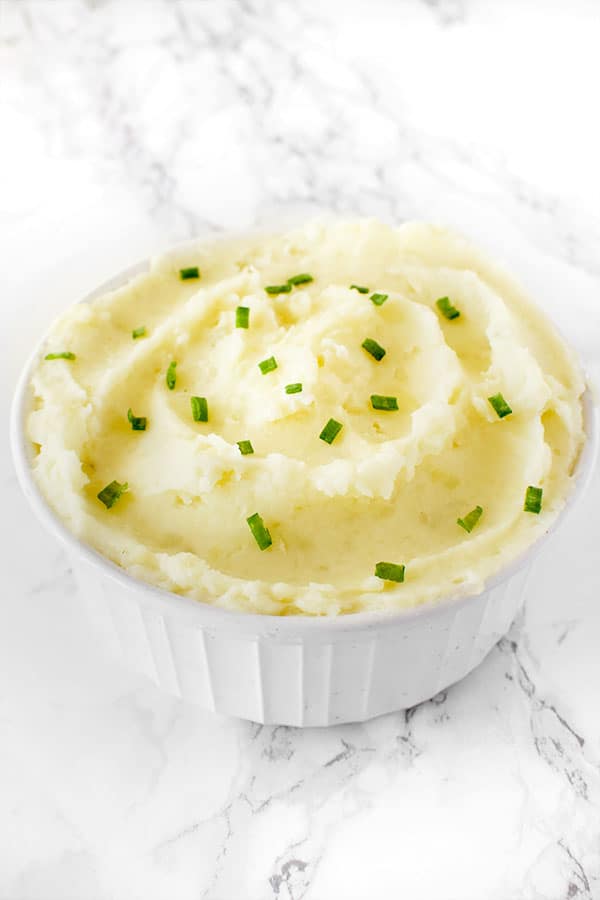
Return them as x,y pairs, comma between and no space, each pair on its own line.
344,674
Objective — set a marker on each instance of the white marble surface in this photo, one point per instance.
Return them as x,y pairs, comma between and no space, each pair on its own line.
125,126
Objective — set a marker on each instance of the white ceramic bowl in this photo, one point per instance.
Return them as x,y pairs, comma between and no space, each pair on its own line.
287,670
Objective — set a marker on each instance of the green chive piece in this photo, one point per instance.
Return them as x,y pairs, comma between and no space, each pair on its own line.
500,405
191,272
331,431
260,531
268,365
385,403
66,355
379,299
372,347
360,288
293,388
446,308
242,317
111,493
138,423
278,288
533,499
390,572
171,376
138,332
471,519
199,409
304,278
245,447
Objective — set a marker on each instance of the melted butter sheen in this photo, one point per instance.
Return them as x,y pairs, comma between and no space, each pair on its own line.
390,486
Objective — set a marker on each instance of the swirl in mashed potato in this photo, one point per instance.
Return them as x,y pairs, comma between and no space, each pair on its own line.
391,485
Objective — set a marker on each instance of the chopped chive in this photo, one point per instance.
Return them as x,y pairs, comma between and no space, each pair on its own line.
331,431
260,532
278,288
171,376
138,332
190,272
379,299
533,499
65,355
372,347
295,388
469,521
242,317
199,409
111,493
446,308
304,278
138,423
386,403
390,572
268,365
360,288
245,447
500,405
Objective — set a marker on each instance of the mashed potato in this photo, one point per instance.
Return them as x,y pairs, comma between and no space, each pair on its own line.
389,486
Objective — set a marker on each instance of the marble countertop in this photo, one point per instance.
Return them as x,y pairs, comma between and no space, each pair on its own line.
127,126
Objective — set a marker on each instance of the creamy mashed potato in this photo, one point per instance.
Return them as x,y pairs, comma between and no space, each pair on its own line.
391,484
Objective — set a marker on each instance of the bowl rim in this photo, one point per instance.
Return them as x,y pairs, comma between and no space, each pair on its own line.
210,615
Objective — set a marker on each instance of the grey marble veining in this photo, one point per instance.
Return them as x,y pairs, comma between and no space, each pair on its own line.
127,126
